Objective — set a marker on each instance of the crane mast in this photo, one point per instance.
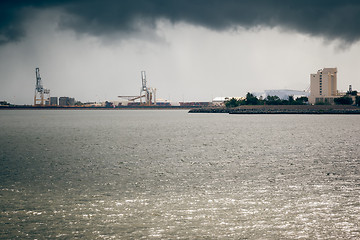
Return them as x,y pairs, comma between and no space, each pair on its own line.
148,93
39,86
143,78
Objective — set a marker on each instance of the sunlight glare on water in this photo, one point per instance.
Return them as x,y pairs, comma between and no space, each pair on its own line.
169,174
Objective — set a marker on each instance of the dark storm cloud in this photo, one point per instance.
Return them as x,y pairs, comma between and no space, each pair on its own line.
330,19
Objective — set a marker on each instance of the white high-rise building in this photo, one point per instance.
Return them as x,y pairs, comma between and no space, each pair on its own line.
323,86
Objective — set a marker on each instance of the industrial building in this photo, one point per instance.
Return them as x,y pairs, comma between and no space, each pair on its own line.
162,102
53,101
323,86
66,101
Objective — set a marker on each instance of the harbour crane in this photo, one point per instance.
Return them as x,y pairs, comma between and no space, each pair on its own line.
41,94
147,94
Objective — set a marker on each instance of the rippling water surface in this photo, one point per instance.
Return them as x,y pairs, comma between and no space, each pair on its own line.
170,174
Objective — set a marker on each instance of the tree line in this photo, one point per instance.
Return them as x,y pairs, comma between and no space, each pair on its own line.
250,99
347,99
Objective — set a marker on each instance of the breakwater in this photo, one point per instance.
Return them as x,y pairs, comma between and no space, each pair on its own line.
282,109
29,107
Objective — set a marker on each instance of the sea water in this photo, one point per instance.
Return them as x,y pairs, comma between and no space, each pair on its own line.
147,174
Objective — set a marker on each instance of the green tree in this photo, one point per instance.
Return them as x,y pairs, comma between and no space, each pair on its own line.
357,101
301,100
251,99
291,100
343,100
273,100
109,104
352,93
4,103
232,103
78,103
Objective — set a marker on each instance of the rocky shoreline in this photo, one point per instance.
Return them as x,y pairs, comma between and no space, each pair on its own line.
282,109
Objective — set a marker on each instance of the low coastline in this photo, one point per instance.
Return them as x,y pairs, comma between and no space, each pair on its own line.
282,109
29,107
244,109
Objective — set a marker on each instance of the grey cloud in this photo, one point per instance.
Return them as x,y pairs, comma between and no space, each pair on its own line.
326,18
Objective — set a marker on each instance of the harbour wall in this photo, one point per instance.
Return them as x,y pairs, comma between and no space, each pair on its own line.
282,109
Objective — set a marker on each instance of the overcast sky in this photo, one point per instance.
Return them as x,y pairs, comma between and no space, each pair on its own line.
191,50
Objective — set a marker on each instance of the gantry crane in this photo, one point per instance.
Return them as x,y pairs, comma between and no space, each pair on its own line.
147,95
41,94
